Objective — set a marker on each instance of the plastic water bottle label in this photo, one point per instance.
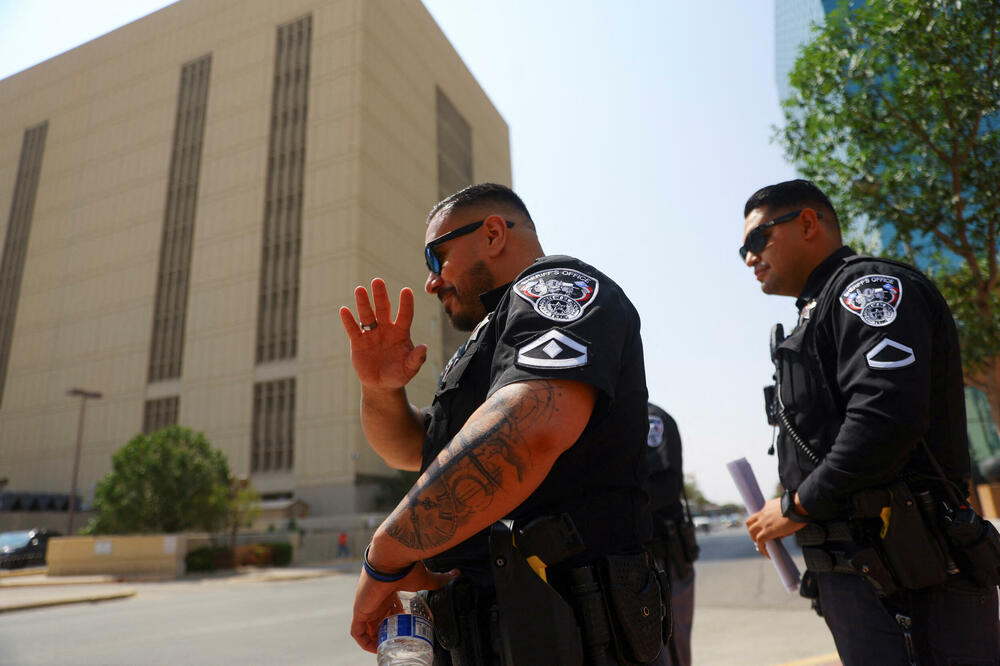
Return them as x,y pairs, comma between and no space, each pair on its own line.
405,626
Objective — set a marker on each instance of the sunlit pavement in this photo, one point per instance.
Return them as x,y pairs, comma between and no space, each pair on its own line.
743,615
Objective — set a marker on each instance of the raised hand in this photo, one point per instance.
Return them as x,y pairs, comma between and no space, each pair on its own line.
382,352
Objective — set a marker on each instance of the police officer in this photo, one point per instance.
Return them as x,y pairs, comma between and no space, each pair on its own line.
872,446
673,530
539,418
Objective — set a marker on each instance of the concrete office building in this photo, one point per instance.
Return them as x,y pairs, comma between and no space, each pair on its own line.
191,198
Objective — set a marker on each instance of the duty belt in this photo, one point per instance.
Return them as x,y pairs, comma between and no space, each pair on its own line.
543,609
839,547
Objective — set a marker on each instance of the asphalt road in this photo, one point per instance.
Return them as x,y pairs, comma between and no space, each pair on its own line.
743,617
743,614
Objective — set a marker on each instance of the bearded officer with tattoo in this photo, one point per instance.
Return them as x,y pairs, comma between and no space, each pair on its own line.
528,521
872,444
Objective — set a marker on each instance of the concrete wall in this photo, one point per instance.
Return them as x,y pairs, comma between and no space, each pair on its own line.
155,554
123,555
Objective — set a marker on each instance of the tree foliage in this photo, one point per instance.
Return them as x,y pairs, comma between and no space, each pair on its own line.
169,481
696,500
896,115
243,509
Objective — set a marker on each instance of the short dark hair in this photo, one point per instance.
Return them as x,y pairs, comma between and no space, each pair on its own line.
790,193
482,193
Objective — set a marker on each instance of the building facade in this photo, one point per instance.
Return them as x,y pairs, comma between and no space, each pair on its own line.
191,199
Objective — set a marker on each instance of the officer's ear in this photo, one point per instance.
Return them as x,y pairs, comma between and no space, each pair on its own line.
496,234
810,223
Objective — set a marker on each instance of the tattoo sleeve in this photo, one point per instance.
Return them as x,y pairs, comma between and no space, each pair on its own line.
487,457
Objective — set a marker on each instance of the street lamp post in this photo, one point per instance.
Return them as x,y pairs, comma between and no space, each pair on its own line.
84,394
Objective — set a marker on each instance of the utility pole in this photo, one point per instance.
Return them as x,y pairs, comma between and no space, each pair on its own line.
84,395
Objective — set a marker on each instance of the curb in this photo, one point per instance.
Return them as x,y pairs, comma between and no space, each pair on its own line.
831,659
54,582
94,598
276,578
27,571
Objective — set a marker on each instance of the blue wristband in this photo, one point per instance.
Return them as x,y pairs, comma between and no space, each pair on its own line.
384,577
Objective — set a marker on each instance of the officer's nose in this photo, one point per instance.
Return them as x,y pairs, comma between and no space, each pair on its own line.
433,283
750,259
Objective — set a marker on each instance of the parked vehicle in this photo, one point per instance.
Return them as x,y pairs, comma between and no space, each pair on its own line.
24,548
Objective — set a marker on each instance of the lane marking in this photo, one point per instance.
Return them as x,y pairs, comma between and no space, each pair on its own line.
831,659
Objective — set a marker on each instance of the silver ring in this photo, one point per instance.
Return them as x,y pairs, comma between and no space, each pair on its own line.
369,327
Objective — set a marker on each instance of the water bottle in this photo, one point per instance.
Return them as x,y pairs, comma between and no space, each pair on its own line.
406,638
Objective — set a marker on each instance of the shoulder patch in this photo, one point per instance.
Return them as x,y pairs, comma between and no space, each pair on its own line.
890,354
555,349
873,298
655,436
559,294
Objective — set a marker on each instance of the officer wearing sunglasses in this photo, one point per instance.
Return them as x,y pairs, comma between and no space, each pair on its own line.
540,419
869,406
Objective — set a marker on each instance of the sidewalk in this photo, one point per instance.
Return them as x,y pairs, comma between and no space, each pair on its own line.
24,589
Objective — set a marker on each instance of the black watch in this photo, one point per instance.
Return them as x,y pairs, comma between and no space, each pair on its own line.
788,508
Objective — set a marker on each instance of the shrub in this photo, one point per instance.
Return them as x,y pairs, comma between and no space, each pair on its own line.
281,554
256,555
208,558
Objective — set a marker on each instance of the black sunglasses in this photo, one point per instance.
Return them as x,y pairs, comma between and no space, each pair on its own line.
433,263
756,241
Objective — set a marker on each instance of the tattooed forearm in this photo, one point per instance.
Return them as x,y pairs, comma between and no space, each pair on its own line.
487,457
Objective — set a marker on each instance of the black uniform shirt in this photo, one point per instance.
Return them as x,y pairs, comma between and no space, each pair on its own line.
559,319
872,367
665,466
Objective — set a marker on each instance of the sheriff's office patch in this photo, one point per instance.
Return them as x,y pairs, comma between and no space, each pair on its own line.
555,349
874,298
559,294
890,354
655,436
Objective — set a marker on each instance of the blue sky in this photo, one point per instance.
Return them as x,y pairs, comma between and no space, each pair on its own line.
638,129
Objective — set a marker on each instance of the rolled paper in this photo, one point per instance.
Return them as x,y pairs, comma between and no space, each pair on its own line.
753,500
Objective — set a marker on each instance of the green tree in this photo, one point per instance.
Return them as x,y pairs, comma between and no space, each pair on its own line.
169,481
896,115
243,508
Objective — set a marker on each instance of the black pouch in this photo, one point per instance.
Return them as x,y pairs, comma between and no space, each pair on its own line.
809,589
808,586
976,546
688,541
675,548
868,563
637,605
456,623
911,548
